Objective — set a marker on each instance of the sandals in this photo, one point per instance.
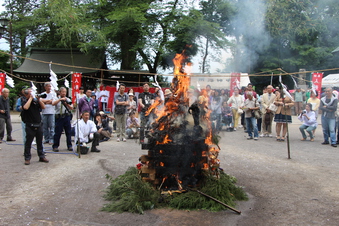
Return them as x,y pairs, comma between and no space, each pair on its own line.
280,138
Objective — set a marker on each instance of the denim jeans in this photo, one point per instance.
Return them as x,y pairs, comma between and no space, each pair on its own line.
309,130
48,123
328,125
251,126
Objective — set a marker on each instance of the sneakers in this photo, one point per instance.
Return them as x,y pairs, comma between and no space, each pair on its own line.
270,135
124,139
118,139
255,138
325,142
249,137
234,129
261,135
55,149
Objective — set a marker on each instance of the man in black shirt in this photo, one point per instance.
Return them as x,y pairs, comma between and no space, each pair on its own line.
145,100
30,115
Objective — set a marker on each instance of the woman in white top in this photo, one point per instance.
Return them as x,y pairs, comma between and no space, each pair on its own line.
237,102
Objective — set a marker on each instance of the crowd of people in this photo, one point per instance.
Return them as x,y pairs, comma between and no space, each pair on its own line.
47,116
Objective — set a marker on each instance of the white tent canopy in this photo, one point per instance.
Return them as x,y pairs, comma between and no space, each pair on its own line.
331,80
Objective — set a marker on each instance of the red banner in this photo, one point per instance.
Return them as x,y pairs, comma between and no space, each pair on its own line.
2,81
317,79
235,82
76,84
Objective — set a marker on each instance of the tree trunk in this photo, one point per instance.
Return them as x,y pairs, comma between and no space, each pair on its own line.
205,57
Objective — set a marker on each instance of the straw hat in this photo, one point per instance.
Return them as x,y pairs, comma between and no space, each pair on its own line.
167,92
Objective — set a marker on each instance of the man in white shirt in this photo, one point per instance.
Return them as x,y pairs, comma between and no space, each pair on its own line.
86,131
48,113
104,95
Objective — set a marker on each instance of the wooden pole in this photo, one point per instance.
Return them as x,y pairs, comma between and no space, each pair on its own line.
214,199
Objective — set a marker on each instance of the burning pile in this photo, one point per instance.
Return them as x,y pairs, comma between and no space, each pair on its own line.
178,149
182,156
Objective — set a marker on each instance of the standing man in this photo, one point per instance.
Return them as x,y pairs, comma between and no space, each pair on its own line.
30,115
266,100
86,103
250,105
48,112
299,98
5,117
63,116
145,100
87,132
103,95
328,105
121,102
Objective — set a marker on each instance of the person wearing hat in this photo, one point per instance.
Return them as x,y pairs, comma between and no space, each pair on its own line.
132,104
168,94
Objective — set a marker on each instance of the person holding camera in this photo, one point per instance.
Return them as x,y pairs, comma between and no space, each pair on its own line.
132,126
48,121
102,121
30,115
309,120
63,117
121,102
5,117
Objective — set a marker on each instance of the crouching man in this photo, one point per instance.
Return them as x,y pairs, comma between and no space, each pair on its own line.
86,131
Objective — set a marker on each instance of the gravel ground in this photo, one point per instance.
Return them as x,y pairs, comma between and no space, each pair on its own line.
68,190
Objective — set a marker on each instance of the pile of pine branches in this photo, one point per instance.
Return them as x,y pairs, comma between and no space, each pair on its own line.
129,193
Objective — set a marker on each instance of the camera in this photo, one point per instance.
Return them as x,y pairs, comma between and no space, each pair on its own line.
42,95
304,111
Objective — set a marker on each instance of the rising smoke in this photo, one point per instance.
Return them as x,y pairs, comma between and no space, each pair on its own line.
250,36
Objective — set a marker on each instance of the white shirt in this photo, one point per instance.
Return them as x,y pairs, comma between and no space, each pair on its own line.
49,108
104,93
84,130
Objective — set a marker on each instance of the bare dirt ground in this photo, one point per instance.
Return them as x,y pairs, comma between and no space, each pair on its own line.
68,190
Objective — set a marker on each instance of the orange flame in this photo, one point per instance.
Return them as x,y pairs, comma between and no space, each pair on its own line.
165,141
162,164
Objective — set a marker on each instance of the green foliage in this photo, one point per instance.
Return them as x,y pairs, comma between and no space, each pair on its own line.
129,193
222,189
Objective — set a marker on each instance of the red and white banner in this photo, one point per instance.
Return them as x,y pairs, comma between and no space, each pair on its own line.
2,81
317,79
235,82
76,84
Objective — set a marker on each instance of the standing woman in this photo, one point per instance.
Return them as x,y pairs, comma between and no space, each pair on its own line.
283,114
237,102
